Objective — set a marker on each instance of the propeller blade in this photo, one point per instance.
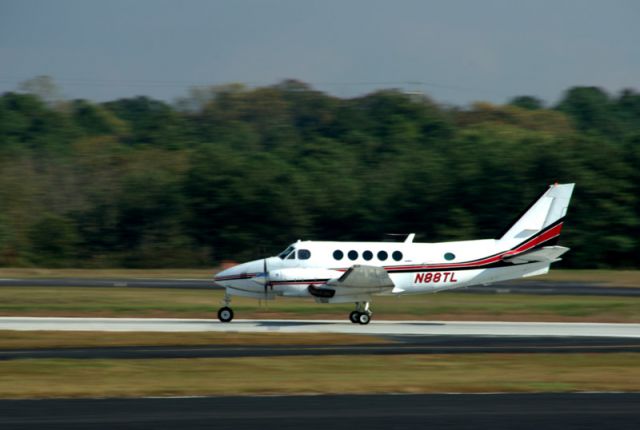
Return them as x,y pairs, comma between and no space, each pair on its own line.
266,278
262,278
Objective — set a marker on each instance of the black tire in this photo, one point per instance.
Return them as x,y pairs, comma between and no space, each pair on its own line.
354,317
364,318
225,314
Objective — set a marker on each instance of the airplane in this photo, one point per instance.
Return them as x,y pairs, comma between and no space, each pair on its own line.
354,272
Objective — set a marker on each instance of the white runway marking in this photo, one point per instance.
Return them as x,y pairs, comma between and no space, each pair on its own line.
479,328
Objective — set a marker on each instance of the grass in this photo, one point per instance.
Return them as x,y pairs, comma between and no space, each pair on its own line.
143,302
618,278
629,278
81,339
330,374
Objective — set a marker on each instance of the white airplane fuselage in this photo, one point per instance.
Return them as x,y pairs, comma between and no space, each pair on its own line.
418,268
341,272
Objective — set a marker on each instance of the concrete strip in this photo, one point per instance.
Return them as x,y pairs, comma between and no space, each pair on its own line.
468,328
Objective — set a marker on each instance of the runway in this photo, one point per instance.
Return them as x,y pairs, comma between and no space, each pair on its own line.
398,328
452,411
520,287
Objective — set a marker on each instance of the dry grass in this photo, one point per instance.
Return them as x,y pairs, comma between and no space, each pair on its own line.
617,278
143,302
82,339
330,374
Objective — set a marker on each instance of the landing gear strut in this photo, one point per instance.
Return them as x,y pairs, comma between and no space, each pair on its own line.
362,314
225,313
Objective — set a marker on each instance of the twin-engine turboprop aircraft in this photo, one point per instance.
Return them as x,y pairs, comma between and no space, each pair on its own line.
343,272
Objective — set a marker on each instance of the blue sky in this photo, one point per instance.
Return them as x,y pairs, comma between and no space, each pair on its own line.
457,51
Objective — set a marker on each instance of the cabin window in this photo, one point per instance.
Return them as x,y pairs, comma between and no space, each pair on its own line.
382,255
304,254
449,256
337,254
285,253
353,255
367,255
397,255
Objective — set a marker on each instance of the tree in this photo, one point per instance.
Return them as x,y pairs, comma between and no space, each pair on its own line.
95,120
53,240
237,172
150,122
43,87
591,110
527,102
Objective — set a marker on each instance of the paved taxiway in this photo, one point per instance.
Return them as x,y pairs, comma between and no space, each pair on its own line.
451,328
402,345
520,287
451,411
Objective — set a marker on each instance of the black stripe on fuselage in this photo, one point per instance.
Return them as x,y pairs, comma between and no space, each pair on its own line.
311,281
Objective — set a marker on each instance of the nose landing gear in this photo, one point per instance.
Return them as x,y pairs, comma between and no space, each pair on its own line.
225,313
362,314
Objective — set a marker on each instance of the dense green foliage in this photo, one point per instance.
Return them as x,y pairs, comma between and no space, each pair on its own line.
232,173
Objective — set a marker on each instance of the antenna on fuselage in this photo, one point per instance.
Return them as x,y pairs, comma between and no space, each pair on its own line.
395,237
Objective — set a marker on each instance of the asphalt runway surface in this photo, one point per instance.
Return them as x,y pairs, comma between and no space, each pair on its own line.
522,287
397,328
441,411
403,345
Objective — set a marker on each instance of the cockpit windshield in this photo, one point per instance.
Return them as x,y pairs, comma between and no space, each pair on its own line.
286,252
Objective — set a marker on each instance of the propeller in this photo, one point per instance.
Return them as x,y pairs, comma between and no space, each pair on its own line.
264,279
267,281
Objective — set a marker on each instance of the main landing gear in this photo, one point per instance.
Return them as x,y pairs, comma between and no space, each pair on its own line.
362,314
225,313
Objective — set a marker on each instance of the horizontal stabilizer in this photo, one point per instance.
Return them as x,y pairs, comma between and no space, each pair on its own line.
360,276
545,254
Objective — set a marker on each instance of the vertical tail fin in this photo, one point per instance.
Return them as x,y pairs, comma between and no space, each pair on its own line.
548,209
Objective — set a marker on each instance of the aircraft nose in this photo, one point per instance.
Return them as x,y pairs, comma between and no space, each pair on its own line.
241,271
226,274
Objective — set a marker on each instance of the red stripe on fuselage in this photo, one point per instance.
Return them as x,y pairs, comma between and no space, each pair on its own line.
534,241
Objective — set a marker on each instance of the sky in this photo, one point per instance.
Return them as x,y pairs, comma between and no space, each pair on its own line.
456,51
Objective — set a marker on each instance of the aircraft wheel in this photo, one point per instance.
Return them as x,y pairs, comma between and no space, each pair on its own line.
225,314
354,317
364,318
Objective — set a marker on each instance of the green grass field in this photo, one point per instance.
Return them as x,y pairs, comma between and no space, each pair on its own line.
328,374
145,302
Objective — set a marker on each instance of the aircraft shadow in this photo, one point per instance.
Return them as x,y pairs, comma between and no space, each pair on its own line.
293,323
425,323
328,323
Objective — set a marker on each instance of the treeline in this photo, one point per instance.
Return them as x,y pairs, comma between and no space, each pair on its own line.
234,173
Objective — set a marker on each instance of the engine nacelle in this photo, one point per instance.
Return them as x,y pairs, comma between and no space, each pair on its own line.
295,282
298,274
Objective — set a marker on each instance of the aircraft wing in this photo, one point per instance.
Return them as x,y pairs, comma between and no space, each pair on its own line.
362,277
546,253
